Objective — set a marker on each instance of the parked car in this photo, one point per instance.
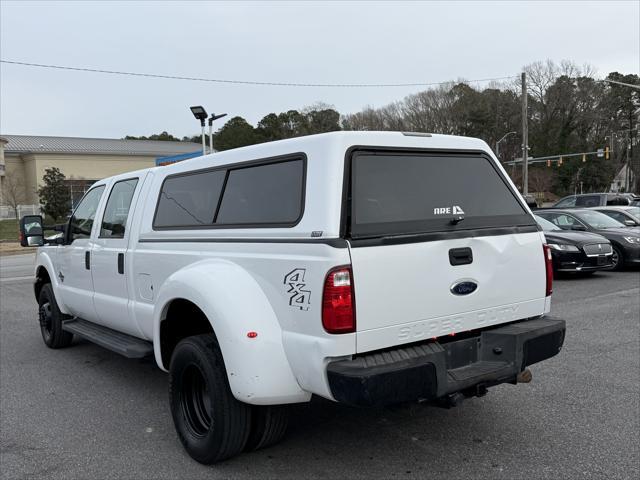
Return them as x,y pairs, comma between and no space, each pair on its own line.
592,200
573,251
368,268
624,241
531,201
629,215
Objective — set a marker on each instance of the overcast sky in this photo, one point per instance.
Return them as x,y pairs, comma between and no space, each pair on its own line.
359,42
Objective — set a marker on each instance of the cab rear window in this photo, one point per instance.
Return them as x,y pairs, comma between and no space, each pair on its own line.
408,193
269,194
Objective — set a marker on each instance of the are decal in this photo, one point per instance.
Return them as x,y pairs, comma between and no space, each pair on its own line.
299,296
455,210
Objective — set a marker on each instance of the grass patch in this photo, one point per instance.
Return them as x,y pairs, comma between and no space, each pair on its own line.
9,230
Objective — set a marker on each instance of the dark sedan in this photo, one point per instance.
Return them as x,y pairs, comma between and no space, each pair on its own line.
624,241
576,251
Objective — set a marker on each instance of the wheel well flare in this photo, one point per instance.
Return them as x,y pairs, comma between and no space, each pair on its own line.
42,278
182,319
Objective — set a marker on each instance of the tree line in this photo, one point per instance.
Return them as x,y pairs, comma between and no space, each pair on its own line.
569,111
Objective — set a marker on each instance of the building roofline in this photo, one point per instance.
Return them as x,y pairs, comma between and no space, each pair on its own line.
35,144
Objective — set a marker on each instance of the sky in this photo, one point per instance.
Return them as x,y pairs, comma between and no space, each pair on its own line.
300,42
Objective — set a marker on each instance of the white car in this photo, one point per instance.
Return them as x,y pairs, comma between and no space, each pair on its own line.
368,268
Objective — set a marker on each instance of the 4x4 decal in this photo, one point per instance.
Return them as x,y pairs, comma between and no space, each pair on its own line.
299,297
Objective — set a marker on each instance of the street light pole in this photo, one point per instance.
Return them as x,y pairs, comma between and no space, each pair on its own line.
204,147
212,118
500,141
201,114
525,138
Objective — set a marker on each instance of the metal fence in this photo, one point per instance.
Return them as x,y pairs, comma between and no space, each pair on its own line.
7,213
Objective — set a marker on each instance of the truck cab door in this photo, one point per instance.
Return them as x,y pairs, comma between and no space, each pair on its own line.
109,258
74,257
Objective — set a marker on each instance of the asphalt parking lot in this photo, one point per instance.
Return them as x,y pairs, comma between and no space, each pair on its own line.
86,413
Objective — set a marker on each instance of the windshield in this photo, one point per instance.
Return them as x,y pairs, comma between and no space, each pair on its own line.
635,211
598,220
546,224
395,193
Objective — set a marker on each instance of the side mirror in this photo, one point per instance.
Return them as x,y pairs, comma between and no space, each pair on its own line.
630,223
578,227
31,232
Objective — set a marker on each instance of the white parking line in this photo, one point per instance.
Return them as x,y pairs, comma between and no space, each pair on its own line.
15,279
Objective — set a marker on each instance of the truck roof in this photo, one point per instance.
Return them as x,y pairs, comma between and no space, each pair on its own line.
341,140
333,141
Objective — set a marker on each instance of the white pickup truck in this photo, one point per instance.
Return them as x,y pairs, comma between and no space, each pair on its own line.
368,268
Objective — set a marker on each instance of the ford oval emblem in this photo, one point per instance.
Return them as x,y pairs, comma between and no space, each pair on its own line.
464,287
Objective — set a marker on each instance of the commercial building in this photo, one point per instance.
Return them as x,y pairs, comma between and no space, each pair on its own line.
24,159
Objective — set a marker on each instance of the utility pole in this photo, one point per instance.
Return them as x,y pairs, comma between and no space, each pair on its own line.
525,138
629,186
627,177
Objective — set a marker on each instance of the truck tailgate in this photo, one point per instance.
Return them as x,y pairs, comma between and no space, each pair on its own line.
405,293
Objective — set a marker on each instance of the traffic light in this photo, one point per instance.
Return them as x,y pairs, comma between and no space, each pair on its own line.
560,161
584,157
606,153
548,163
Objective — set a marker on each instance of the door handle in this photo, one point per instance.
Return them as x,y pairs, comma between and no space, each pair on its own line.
460,256
121,263
87,260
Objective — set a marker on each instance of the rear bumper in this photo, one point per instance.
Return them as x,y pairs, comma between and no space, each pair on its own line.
433,370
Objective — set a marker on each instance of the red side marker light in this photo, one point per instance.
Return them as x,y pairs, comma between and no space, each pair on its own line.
252,334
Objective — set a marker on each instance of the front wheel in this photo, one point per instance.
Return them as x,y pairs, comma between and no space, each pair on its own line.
211,424
617,259
50,318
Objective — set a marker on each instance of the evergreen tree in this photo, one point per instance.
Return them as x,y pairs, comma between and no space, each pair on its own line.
54,194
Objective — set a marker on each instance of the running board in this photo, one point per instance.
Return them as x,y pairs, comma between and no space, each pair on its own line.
127,345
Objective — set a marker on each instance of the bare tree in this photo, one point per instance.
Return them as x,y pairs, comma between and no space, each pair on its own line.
13,192
540,179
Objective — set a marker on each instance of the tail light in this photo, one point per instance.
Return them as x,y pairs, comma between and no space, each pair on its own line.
338,311
549,268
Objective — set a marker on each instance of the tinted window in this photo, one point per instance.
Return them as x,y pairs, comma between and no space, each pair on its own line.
617,201
635,211
81,221
269,193
565,221
598,220
616,216
546,225
396,193
189,200
588,201
566,202
114,220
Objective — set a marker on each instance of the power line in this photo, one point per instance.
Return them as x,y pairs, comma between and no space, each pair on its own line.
247,82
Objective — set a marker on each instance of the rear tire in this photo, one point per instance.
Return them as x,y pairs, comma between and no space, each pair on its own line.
50,319
211,424
617,259
268,426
